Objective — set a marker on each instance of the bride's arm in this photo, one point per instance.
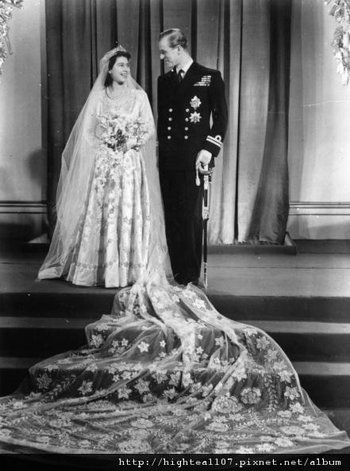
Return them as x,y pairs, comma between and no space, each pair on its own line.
145,122
93,129
146,116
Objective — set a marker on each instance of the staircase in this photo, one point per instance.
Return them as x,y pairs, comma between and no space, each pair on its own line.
314,333
41,319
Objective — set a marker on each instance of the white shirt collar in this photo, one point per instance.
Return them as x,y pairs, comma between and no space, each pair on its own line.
186,66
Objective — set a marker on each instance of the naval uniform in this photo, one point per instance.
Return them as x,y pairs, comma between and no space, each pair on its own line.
192,115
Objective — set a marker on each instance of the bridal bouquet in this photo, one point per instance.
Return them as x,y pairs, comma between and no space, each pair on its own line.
120,134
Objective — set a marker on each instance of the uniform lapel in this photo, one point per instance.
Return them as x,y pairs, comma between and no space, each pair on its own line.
190,78
171,81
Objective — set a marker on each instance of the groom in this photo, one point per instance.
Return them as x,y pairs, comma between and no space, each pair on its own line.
192,120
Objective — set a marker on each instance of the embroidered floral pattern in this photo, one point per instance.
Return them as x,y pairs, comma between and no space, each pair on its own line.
165,373
250,395
114,230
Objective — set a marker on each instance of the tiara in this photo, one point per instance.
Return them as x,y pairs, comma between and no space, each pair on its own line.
119,47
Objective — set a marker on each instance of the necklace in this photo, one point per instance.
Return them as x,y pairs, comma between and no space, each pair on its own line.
118,94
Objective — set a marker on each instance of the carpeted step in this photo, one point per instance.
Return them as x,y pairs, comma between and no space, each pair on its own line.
12,372
76,304
341,418
93,302
310,341
282,308
41,338
328,383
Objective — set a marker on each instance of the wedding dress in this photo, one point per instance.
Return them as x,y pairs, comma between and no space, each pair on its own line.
112,241
109,243
164,372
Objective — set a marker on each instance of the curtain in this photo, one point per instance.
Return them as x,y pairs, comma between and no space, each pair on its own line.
247,40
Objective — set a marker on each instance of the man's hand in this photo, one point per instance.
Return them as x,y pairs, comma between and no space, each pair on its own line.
203,158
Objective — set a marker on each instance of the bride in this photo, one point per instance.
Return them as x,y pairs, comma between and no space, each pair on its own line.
108,184
164,372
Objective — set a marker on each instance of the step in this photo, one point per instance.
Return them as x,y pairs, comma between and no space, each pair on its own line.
328,384
305,341
341,418
288,247
12,372
310,341
23,336
93,302
282,308
80,303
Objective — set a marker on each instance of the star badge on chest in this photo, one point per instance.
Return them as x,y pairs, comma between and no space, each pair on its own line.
195,102
195,117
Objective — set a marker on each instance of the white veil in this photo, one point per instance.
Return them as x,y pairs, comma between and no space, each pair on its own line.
75,180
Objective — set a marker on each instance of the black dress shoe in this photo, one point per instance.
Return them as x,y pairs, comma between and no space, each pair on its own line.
198,282
180,279
185,280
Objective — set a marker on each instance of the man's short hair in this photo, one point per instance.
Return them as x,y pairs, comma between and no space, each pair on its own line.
175,37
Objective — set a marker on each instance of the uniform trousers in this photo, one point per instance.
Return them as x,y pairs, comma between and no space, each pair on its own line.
183,222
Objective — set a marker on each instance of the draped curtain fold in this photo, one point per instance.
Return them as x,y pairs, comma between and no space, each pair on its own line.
248,41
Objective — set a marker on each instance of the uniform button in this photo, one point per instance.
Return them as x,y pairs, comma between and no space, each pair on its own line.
186,119
187,110
170,119
186,129
169,128
169,137
186,137
170,110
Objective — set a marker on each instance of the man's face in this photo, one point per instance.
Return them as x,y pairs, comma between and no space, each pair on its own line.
171,55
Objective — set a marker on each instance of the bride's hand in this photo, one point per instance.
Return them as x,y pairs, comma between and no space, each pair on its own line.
105,59
132,144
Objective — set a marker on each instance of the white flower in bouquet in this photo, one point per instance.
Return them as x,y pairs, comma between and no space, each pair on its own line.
120,134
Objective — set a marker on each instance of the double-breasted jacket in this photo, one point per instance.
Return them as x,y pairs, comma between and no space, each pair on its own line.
192,115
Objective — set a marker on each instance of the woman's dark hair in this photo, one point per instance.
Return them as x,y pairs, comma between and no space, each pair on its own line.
111,62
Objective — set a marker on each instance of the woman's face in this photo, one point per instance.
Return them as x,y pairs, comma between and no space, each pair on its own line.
120,71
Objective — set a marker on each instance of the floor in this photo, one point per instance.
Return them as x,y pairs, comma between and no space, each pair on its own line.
246,274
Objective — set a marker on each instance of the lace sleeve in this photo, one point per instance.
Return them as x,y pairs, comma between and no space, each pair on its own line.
95,130
145,114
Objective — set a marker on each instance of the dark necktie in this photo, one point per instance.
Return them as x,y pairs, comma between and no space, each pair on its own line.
180,76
